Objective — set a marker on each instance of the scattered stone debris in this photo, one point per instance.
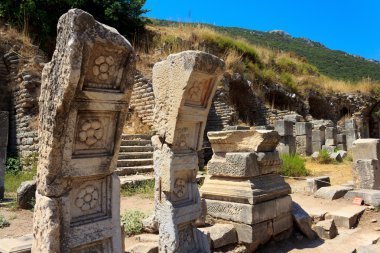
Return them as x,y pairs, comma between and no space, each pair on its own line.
332,192
346,217
315,183
221,234
302,220
370,197
326,229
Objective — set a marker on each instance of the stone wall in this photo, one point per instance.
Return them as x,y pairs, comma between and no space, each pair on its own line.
4,93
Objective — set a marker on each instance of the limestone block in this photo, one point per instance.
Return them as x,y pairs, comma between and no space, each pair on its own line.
303,145
243,164
313,184
366,149
302,220
284,127
351,136
330,133
336,157
330,142
366,174
221,234
332,192
326,229
246,191
346,217
370,197
26,194
350,124
342,147
259,233
143,247
341,139
293,118
243,141
282,223
303,128
287,145
330,149
316,146
246,213
318,136
22,244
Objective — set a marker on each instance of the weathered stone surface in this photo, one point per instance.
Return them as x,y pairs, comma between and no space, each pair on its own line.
282,223
283,127
26,194
150,224
246,191
243,141
341,138
336,156
303,145
287,145
315,155
293,118
313,184
303,128
302,220
246,213
346,217
21,244
329,149
259,233
144,247
373,248
183,85
4,125
330,133
351,136
370,197
326,229
366,149
243,164
330,142
332,192
366,174
221,234
342,153
83,105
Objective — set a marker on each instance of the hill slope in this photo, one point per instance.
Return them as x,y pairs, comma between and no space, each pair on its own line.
332,63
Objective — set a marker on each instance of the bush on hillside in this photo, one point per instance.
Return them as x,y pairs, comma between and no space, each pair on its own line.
293,166
40,17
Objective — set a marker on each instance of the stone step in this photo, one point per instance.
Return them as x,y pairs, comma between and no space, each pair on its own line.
136,170
136,155
134,162
133,179
136,143
136,137
136,149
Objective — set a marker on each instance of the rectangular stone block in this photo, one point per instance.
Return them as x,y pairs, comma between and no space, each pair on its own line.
342,147
287,145
351,136
330,133
316,136
316,146
350,124
246,191
303,145
341,139
303,128
366,149
258,233
346,217
313,184
282,223
366,174
283,127
370,197
330,142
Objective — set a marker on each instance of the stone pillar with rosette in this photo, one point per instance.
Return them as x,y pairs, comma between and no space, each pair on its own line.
84,100
184,85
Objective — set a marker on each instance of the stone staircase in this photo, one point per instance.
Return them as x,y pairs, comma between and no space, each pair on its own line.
135,160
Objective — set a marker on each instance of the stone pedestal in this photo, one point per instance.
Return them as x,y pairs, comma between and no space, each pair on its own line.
4,125
183,85
83,105
243,187
287,143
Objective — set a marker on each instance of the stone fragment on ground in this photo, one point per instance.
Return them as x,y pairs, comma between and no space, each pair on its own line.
346,217
332,192
143,247
370,197
315,183
302,220
21,244
315,155
326,229
26,194
150,225
221,234
342,153
336,157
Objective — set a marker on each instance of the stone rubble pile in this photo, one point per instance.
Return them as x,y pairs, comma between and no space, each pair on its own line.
243,187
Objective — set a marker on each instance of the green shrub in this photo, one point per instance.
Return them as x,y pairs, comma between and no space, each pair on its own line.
132,221
287,80
324,157
293,166
13,164
3,222
144,188
13,180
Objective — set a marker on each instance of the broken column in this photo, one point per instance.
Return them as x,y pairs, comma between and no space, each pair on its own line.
287,144
4,125
243,186
303,131
330,136
83,105
317,138
341,141
351,132
183,85
366,165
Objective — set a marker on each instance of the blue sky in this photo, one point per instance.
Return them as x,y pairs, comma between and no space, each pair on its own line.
348,25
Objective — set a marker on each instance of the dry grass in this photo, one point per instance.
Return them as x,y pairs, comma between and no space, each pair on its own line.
339,173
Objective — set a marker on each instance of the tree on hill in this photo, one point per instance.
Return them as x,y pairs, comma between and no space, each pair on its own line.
39,17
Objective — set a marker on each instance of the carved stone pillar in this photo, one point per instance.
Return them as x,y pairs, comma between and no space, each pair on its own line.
84,100
183,85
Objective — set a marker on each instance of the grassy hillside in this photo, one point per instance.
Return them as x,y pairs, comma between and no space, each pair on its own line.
333,63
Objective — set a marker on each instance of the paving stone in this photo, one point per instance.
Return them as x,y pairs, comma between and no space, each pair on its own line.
332,192
315,183
302,220
346,217
21,244
221,234
326,229
370,197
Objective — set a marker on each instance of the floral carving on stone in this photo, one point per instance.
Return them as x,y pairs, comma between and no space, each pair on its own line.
91,132
87,198
104,67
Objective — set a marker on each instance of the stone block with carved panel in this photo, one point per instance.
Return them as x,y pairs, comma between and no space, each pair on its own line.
83,104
